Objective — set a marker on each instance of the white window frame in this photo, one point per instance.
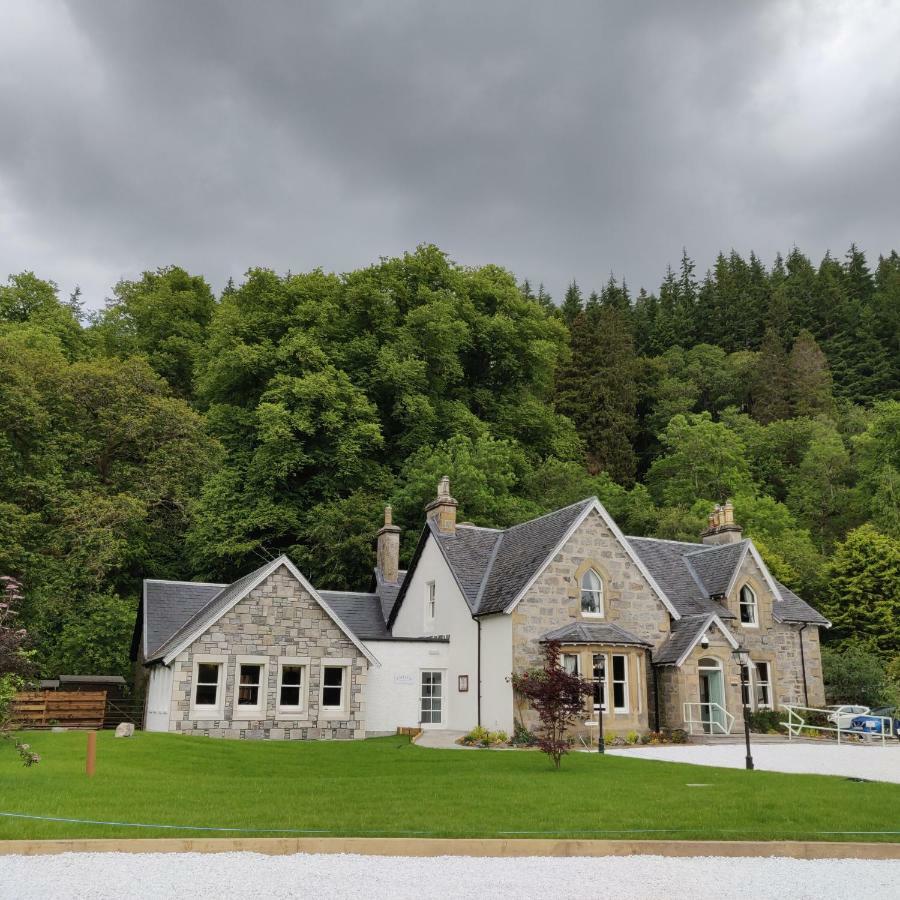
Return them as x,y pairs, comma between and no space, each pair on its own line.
600,593
285,710
757,682
335,712
430,604
754,607
208,710
444,692
243,713
753,681
605,682
613,681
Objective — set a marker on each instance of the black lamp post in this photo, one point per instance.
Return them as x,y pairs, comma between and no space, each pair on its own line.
601,696
742,657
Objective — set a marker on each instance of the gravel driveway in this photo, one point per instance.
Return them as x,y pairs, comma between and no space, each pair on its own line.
91,876
871,761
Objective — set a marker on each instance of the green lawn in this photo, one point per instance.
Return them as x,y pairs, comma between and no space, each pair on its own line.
389,787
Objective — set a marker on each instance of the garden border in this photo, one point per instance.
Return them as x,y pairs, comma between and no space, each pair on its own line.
459,847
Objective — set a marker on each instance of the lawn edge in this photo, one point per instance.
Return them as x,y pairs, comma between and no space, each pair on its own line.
459,847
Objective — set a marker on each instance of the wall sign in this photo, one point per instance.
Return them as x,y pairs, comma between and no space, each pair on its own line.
463,683
403,679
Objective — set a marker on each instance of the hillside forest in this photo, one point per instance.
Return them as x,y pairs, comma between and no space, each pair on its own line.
178,434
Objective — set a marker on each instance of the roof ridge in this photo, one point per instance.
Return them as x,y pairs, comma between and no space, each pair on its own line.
706,548
477,527
552,512
200,583
637,537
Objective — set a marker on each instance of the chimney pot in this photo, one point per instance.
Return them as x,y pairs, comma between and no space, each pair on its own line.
722,527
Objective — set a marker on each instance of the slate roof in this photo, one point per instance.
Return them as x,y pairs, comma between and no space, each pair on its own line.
793,609
587,633
491,566
361,613
168,605
681,583
387,591
684,632
715,565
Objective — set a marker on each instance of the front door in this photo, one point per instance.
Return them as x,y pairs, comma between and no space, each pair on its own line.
712,699
432,699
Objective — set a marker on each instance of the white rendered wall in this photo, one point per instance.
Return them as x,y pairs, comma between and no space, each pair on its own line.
393,689
452,617
159,699
496,667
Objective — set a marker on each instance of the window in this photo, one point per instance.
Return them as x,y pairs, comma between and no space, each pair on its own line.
206,691
430,603
620,682
249,677
763,692
291,684
748,606
571,663
599,679
432,698
333,679
591,594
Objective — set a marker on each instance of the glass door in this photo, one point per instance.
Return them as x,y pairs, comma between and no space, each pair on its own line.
432,698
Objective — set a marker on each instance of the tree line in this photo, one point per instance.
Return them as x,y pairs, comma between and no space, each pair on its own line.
177,434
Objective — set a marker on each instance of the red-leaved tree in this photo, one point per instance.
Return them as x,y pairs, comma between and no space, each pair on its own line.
557,696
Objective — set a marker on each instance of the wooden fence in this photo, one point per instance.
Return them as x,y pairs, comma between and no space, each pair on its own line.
70,709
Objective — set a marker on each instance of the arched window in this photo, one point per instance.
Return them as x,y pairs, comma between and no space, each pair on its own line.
591,594
749,609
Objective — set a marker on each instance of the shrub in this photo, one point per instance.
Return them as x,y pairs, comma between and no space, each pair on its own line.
477,737
632,737
857,675
522,737
765,721
678,736
498,737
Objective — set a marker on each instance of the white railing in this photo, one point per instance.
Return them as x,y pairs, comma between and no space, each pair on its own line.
796,723
715,714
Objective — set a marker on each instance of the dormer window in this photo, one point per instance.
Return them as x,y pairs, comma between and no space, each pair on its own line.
591,594
749,607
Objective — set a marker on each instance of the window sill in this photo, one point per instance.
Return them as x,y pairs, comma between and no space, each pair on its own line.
590,615
206,714
333,714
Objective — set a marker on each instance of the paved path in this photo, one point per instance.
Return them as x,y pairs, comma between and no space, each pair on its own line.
121,876
870,761
441,740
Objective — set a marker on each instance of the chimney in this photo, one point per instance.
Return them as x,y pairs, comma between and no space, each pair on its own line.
443,508
722,528
388,559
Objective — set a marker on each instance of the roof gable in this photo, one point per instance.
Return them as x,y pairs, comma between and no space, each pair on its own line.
231,595
715,565
686,634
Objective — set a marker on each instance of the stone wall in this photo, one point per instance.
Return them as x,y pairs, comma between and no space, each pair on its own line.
276,619
629,602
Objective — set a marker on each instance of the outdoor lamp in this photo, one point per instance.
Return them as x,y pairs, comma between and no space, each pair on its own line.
742,657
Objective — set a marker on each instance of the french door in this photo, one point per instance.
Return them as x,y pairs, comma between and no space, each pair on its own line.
432,699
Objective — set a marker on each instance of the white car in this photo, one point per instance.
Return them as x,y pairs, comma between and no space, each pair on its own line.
843,716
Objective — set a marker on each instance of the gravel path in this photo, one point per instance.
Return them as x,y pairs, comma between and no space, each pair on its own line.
853,761
92,876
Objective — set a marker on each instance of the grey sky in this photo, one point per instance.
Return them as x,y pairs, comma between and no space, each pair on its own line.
557,139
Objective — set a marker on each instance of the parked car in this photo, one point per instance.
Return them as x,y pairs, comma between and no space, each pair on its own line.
884,717
843,716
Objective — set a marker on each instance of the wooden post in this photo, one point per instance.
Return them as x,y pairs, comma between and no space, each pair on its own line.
91,761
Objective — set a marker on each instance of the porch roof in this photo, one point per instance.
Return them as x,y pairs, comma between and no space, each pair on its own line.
590,633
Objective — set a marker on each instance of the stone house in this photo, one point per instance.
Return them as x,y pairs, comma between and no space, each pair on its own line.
653,624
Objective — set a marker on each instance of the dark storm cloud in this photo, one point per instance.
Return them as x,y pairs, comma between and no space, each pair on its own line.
559,140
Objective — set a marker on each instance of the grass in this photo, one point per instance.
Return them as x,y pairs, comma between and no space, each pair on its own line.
389,787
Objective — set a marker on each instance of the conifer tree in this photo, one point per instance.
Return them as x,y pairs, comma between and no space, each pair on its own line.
810,378
572,303
597,389
771,387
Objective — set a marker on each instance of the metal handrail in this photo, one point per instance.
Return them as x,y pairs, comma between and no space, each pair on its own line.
796,723
711,722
